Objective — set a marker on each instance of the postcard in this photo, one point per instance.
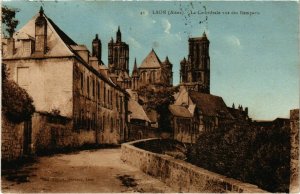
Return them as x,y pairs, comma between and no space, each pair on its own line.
155,97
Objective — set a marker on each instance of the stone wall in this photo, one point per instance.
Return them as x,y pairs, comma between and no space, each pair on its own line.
180,175
137,132
48,136
11,140
294,124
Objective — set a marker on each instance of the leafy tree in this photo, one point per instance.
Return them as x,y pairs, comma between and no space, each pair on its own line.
17,105
250,154
158,97
8,19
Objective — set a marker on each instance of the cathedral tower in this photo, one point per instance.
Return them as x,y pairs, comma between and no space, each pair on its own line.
135,77
97,46
195,72
118,55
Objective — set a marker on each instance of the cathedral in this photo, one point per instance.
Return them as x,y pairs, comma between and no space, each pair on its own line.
195,71
150,72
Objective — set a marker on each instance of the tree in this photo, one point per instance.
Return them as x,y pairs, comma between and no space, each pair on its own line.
8,20
251,154
158,97
17,105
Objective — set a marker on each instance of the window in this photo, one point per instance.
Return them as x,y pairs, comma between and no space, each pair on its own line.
108,98
81,81
94,121
22,77
103,123
93,88
88,86
111,125
81,118
111,97
117,102
98,90
104,94
88,120
121,104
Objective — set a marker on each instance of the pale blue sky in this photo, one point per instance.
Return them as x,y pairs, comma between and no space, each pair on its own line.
254,59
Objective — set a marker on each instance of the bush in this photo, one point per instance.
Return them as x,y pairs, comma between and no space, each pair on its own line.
250,154
17,105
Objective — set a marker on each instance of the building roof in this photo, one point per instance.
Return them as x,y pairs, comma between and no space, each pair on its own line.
180,111
151,61
59,44
67,40
210,105
137,111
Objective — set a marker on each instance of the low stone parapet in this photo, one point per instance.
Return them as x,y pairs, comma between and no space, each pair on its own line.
180,175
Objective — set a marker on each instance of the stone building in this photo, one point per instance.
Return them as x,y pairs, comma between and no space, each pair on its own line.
150,71
294,165
118,61
195,70
64,77
194,113
153,71
240,114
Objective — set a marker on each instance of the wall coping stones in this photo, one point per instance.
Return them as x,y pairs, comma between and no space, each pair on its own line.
173,171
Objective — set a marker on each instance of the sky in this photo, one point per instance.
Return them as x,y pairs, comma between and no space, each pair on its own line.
254,58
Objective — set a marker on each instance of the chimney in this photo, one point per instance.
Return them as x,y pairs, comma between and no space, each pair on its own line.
41,33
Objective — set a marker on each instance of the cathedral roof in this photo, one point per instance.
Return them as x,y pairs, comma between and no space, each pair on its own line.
151,61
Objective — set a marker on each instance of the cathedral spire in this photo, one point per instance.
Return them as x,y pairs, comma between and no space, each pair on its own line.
119,35
135,69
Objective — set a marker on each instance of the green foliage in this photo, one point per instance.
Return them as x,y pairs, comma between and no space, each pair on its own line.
250,154
16,103
8,20
158,97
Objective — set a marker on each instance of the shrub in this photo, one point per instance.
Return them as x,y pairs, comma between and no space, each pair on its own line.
250,154
17,105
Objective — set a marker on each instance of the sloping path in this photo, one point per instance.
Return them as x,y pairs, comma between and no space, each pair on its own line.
86,171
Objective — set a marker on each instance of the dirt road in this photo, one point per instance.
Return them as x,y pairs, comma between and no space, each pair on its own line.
86,171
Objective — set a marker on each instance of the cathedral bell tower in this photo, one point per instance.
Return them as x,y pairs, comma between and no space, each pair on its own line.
118,55
97,46
195,72
41,33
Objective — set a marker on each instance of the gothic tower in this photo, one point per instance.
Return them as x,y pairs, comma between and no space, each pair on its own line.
135,77
41,33
97,46
118,55
195,72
